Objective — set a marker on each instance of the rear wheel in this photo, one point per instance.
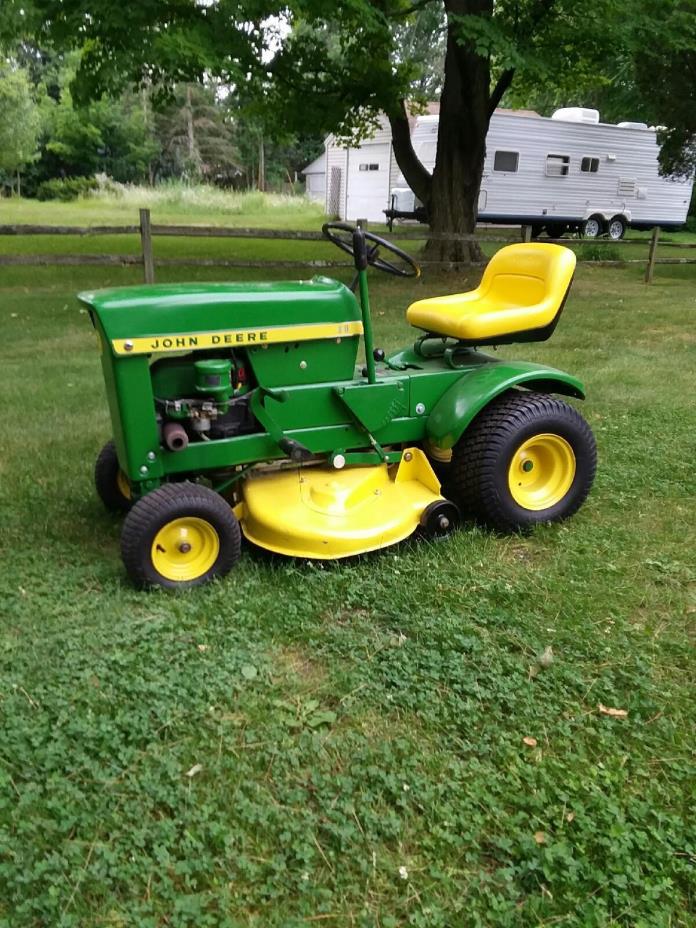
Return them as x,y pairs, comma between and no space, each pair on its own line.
592,227
527,458
616,228
180,535
111,482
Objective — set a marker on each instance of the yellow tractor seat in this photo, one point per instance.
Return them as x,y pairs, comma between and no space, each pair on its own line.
520,298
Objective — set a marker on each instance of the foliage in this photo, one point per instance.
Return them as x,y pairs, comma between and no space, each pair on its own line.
650,76
19,120
361,718
302,65
196,138
590,251
66,188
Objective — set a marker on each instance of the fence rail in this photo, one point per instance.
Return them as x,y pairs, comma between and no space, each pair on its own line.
147,231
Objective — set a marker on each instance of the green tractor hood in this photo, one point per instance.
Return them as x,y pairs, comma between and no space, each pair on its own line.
175,317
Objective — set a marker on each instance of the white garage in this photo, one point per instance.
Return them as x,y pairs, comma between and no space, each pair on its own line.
315,179
368,182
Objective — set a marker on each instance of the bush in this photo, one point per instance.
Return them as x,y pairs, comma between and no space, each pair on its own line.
67,188
594,252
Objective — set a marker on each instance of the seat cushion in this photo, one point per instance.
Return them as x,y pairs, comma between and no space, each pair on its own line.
522,291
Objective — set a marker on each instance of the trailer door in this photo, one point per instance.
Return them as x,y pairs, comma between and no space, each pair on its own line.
368,182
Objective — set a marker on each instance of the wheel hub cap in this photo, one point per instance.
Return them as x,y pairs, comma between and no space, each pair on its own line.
541,472
185,548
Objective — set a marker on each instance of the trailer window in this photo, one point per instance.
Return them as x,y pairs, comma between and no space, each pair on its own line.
557,165
589,165
506,161
368,167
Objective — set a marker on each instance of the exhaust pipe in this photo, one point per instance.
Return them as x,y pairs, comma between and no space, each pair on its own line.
174,436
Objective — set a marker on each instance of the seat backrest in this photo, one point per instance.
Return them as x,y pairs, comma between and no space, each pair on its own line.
528,273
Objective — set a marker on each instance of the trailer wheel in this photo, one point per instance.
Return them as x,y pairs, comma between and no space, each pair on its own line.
178,536
527,458
616,228
592,227
111,483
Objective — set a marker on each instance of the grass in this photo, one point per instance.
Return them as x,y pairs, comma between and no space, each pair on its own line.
170,203
343,745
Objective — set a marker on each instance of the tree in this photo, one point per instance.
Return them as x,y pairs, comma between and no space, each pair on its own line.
19,122
314,66
196,135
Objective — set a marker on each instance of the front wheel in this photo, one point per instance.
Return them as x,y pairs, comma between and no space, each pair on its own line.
111,482
178,536
527,458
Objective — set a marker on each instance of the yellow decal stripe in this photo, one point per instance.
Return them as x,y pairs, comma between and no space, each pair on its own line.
192,341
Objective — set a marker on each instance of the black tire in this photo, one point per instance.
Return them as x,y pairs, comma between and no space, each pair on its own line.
161,508
110,480
483,457
593,227
616,228
439,519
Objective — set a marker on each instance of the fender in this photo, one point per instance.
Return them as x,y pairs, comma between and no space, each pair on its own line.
464,400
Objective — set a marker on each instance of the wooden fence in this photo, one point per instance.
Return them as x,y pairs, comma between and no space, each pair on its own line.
147,231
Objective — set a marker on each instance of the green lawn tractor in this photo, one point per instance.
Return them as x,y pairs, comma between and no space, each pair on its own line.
238,409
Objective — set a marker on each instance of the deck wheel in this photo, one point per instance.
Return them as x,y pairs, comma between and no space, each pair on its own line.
112,484
526,458
178,536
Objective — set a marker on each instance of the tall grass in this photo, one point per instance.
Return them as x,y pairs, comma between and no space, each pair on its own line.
195,197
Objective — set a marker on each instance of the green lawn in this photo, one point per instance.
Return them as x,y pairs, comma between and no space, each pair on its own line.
343,745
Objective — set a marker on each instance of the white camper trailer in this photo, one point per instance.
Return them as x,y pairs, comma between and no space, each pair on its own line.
566,172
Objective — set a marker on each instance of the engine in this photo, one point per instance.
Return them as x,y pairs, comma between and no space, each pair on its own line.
201,397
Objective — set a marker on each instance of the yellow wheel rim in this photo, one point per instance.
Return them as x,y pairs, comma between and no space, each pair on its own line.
123,485
185,549
541,472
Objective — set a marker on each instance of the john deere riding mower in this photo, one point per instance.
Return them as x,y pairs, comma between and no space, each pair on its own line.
238,408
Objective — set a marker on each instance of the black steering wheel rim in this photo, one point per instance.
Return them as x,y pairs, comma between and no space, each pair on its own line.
412,269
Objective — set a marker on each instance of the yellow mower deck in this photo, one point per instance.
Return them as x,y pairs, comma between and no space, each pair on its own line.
320,512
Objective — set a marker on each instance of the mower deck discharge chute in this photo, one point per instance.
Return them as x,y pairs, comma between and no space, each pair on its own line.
239,409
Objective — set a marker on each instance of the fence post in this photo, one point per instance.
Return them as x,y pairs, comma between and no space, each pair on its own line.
146,246
526,233
362,224
652,254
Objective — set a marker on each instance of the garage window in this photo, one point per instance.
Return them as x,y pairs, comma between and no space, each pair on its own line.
589,165
506,161
557,165
371,166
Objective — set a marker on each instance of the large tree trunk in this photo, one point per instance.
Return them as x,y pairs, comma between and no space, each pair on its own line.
450,195
461,142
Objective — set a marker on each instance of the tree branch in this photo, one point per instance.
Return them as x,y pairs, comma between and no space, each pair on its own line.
417,176
504,82
418,5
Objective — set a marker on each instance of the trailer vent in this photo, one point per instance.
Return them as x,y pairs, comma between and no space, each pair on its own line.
627,187
577,114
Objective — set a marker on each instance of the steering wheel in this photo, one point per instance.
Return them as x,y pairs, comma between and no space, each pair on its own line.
354,241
